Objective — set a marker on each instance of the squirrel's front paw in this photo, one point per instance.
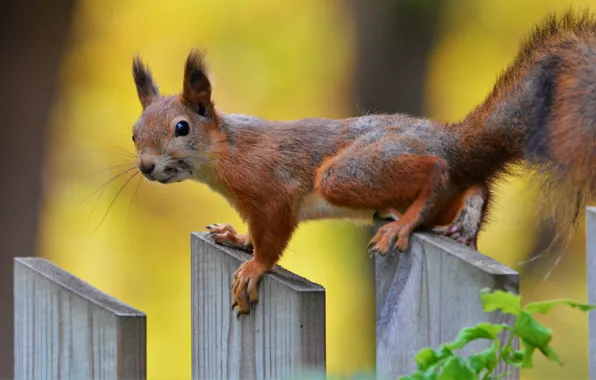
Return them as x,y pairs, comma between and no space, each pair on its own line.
389,237
225,234
244,288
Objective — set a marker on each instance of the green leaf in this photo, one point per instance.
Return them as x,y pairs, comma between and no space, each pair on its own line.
499,300
546,306
487,359
476,363
490,356
425,358
456,369
528,354
419,375
514,358
530,331
443,354
444,351
414,376
480,331
551,354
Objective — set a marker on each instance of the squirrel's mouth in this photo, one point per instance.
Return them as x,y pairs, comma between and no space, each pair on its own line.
169,179
172,172
179,176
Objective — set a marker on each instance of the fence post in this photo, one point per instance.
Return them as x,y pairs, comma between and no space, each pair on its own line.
67,329
284,335
591,277
426,295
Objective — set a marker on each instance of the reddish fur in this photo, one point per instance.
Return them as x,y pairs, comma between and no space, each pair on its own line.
405,177
439,173
456,204
450,211
427,188
270,211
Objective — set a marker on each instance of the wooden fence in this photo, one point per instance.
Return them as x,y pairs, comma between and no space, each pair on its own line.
67,329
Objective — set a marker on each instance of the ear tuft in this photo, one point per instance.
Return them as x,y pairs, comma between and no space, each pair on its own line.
146,89
197,88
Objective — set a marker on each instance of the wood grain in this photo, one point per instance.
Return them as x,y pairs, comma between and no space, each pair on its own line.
425,296
282,337
67,329
591,277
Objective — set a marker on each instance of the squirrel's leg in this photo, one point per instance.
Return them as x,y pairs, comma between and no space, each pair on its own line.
269,239
397,234
225,234
377,176
462,218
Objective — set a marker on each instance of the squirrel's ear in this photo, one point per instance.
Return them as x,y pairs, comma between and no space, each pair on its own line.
197,88
146,88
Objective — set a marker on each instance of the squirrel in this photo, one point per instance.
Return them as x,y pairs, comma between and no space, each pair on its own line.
276,174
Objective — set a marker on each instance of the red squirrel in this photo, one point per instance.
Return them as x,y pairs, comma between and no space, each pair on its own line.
276,174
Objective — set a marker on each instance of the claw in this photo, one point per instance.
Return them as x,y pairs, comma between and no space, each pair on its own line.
389,238
225,234
372,251
458,232
244,289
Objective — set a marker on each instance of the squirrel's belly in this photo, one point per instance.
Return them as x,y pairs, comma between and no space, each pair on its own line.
314,206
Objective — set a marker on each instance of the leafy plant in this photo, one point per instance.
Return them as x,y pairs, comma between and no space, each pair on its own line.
445,364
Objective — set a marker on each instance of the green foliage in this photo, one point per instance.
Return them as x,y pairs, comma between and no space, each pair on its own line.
445,364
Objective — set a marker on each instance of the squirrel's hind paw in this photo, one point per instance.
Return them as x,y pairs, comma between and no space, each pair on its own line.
389,237
458,232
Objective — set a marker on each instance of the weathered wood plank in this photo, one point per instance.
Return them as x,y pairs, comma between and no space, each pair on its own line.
591,264
424,297
67,329
283,336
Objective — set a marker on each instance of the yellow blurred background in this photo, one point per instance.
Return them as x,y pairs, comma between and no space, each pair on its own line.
279,61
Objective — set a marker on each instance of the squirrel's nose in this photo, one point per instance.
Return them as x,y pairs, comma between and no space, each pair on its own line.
146,167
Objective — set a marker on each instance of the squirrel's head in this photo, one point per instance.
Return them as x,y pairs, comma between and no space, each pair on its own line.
171,135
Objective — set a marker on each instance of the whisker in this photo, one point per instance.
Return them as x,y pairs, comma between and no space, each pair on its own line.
124,117
116,197
127,154
132,199
175,149
111,167
103,186
134,195
123,150
164,150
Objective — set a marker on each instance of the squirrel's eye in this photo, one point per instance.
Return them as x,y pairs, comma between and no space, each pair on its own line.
182,128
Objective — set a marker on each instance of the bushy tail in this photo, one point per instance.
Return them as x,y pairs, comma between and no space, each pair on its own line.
548,96
560,143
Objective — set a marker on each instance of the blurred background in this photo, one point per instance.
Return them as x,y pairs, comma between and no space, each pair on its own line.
70,104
